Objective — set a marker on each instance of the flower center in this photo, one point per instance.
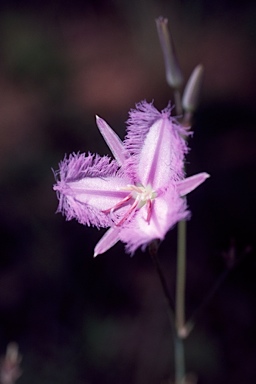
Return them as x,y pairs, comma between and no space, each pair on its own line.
141,196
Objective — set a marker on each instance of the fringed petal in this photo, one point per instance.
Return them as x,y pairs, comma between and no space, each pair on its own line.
77,166
156,143
87,186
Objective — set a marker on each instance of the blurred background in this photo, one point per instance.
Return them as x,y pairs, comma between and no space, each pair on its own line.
88,321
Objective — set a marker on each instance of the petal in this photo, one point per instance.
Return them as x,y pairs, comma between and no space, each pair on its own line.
108,240
112,139
80,165
98,192
157,147
162,155
89,185
139,122
190,183
86,199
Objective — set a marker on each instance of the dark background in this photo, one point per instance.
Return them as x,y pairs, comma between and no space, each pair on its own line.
88,321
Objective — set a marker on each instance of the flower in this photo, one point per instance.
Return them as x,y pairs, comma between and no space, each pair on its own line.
139,195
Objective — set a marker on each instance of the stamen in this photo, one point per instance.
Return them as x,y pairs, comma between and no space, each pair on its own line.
141,195
149,211
129,212
118,205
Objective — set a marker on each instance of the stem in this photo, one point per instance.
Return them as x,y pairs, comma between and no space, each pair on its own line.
153,250
179,360
232,262
177,100
191,322
181,277
180,284
180,304
181,253
178,342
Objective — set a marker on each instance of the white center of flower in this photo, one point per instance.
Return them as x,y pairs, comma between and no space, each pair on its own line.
141,196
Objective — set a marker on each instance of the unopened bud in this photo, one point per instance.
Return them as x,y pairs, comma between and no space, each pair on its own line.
10,365
192,90
173,72
12,353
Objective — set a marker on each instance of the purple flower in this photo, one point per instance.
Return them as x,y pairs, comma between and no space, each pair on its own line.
140,194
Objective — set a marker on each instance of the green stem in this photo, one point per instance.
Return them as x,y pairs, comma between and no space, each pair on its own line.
181,277
177,100
180,304
179,360
180,284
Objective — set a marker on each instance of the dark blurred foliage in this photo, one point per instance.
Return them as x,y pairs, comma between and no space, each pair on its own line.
88,321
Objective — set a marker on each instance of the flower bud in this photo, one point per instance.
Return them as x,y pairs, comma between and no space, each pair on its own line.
173,72
191,93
